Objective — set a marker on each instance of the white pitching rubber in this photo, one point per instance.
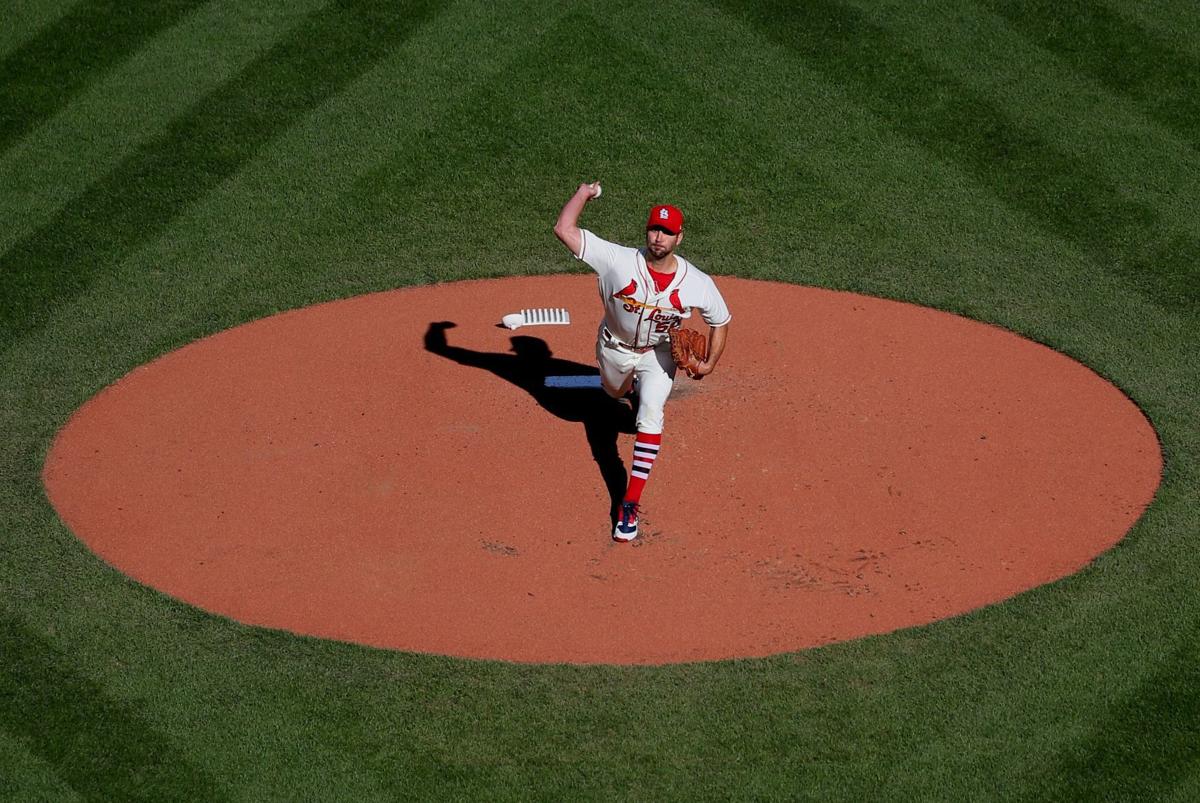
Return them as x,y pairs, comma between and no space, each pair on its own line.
540,316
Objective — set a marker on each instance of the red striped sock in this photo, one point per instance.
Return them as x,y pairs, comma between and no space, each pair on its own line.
645,452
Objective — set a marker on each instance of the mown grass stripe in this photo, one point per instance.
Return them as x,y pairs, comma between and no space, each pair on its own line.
24,775
23,21
1095,41
131,105
1147,161
967,709
1147,746
221,132
98,746
47,71
420,190
1059,192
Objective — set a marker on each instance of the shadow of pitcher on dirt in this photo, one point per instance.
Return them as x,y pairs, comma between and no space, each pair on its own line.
527,365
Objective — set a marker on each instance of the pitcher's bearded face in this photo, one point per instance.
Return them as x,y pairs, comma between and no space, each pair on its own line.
660,242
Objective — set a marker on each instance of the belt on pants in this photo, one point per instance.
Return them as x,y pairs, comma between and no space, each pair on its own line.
635,349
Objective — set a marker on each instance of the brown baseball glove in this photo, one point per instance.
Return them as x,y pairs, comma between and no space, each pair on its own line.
689,348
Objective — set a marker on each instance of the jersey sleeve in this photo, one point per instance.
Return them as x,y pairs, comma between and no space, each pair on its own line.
601,255
714,312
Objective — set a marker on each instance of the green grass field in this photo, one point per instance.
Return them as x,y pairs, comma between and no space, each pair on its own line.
171,169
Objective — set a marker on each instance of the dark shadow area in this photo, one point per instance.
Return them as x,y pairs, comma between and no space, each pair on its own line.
527,365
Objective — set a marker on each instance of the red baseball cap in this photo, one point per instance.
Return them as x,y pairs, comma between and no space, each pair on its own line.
666,217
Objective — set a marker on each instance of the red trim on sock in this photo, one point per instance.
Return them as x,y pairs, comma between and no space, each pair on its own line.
633,493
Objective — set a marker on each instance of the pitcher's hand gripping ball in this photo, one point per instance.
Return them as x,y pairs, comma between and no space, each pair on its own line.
689,348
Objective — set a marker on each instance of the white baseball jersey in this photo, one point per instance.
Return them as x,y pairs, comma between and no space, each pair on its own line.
635,311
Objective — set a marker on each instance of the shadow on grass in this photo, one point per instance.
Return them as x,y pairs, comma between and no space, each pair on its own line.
527,367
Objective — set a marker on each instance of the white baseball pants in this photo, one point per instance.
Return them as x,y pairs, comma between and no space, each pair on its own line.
655,372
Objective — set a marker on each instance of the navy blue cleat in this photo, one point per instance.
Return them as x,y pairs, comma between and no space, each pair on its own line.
627,523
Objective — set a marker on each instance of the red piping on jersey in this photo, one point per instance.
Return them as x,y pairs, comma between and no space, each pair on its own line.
652,289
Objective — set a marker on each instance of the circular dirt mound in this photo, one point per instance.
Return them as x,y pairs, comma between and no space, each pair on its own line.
361,471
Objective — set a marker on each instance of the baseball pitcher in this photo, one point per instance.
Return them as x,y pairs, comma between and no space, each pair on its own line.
647,294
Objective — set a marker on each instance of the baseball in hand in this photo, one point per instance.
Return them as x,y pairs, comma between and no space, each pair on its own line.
596,190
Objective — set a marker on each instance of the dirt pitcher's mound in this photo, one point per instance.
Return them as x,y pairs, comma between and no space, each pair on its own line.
364,471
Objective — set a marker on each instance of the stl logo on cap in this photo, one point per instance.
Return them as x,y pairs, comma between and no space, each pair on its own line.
665,217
